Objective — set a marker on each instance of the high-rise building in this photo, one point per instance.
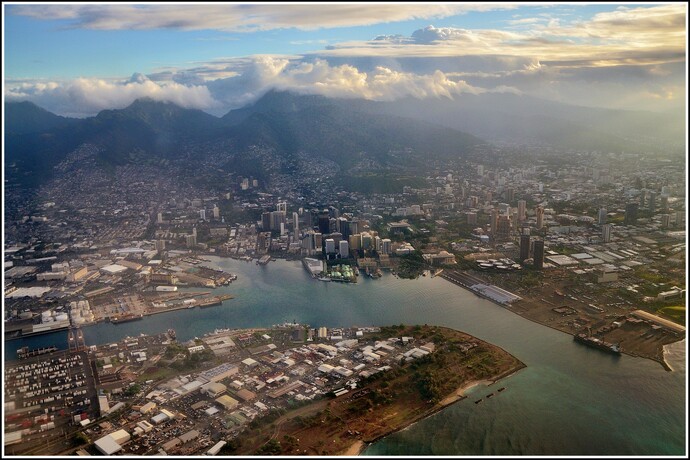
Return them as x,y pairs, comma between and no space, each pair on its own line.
510,195
367,240
540,217
330,246
665,220
277,218
503,230
266,221
355,241
494,221
191,241
202,214
524,247
281,206
631,214
318,241
664,202
324,222
160,245
343,249
606,233
538,252
472,218
643,194
295,223
160,218
522,210
480,170
603,212
386,246
216,212
652,202
679,218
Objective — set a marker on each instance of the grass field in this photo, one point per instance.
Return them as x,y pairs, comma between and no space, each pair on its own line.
675,313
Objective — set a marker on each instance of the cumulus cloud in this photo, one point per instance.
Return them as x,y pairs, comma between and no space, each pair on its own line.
87,96
241,18
254,77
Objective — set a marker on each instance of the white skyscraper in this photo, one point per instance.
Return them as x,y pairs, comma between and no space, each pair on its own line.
295,223
522,210
202,214
216,212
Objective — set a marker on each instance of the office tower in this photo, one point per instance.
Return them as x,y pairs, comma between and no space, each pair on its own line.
538,254
510,195
202,214
602,216
652,202
472,218
343,249
366,240
160,217
504,224
664,203
631,214
191,241
355,241
642,198
386,246
277,218
540,217
160,245
281,206
377,243
216,212
522,210
295,223
266,221
494,221
606,233
324,222
524,247
665,220
318,241
679,218
330,246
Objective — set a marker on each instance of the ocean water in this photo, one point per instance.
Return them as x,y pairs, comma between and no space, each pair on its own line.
570,400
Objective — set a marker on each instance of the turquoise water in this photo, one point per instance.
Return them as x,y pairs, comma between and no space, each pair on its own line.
570,400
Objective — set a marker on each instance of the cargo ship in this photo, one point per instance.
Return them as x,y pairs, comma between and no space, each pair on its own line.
126,319
598,343
24,352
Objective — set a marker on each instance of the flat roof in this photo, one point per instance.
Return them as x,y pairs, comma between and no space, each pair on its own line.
107,445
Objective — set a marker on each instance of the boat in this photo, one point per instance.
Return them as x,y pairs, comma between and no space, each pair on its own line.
501,389
478,401
126,319
598,343
24,352
489,395
324,278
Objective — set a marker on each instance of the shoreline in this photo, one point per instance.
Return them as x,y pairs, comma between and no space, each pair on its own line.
458,394
510,308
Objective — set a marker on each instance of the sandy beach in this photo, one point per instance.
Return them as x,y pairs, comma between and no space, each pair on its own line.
460,392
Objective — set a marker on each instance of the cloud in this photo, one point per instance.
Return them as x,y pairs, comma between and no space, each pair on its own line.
253,78
83,96
241,18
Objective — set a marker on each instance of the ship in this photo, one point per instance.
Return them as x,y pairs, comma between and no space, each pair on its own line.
598,343
24,352
126,319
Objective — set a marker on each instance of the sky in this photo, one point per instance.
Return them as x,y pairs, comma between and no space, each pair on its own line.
76,59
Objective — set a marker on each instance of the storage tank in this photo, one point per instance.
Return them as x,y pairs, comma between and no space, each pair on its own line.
61,317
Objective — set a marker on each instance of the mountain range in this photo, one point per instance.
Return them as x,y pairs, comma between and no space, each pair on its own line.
342,131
